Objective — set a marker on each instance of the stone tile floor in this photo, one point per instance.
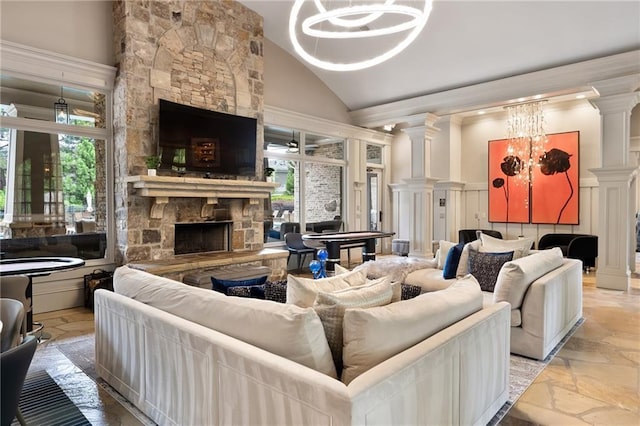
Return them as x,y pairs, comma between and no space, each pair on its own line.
594,379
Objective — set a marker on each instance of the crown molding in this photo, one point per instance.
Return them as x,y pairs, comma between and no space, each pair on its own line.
283,117
567,78
26,61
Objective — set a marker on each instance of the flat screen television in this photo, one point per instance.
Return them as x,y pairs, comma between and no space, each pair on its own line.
198,140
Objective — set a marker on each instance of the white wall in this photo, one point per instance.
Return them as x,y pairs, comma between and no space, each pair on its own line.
290,85
82,29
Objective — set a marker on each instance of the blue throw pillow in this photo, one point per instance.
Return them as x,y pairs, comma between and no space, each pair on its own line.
451,263
223,285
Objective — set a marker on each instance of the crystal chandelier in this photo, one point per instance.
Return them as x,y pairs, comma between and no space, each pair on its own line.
526,138
352,22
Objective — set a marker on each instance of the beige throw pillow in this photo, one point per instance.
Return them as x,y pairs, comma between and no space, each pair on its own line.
463,265
373,335
302,291
520,248
286,330
331,307
443,251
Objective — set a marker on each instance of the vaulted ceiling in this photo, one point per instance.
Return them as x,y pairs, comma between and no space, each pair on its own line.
468,42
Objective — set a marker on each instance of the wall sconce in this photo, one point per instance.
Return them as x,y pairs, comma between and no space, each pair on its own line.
61,109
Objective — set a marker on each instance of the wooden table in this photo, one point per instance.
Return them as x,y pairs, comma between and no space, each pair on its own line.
33,267
337,240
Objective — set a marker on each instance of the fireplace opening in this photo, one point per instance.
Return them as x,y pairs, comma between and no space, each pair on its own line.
202,237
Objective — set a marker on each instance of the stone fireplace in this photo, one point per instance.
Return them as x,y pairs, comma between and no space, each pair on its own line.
206,54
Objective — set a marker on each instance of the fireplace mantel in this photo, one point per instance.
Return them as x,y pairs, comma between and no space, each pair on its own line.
161,188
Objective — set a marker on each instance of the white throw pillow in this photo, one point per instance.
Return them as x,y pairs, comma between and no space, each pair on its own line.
520,248
302,291
463,265
516,276
373,335
286,330
339,269
331,307
443,251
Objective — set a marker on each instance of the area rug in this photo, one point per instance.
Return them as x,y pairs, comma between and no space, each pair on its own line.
523,371
43,402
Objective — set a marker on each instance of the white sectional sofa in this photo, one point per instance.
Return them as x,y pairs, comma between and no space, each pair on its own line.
545,293
190,356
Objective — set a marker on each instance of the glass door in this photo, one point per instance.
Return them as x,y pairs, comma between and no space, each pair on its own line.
374,202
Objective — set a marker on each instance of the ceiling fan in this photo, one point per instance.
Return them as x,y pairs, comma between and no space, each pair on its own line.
293,145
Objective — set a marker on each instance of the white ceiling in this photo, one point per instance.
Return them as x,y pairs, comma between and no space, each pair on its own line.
469,42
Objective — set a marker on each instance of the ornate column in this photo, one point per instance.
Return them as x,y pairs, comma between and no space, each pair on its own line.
414,198
616,178
447,149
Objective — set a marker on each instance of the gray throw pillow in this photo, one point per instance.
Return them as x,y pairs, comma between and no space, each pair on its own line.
485,267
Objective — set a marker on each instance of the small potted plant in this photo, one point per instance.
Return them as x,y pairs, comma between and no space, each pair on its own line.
268,173
152,162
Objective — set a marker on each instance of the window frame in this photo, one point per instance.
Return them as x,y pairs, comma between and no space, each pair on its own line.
41,66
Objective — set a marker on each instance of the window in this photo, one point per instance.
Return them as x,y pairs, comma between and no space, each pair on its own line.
309,171
54,196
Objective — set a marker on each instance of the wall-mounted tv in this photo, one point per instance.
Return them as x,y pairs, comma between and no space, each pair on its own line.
198,140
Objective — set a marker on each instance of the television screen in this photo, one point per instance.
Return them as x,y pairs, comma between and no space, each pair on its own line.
195,139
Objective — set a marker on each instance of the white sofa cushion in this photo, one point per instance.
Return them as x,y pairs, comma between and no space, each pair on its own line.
520,247
376,334
331,308
287,330
303,291
516,276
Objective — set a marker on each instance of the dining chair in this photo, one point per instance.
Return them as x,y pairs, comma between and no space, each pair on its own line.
12,316
296,246
15,287
14,365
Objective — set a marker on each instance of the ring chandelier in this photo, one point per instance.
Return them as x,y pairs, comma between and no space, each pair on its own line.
357,16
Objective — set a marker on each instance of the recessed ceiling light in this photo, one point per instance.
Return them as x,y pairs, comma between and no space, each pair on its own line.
537,96
481,112
580,96
520,99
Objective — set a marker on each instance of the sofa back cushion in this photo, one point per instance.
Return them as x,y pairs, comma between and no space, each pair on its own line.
303,291
286,330
376,334
331,307
516,276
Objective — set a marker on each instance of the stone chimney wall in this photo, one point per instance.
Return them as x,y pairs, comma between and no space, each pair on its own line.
207,54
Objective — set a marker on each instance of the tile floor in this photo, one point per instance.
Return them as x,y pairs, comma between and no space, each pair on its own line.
594,379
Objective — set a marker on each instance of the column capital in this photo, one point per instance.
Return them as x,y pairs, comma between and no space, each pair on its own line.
621,102
450,185
454,119
614,174
420,182
617,85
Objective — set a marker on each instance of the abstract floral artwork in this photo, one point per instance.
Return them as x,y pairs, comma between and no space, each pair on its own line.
508,192
550,196
555,185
